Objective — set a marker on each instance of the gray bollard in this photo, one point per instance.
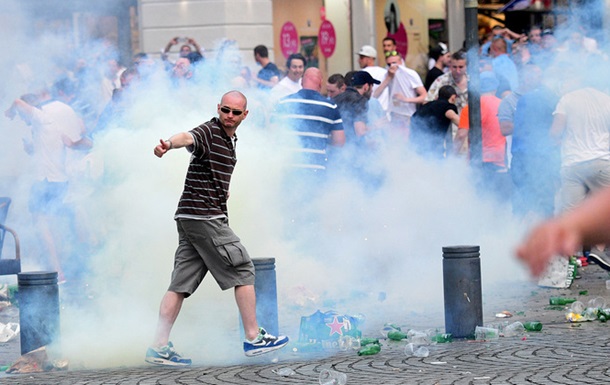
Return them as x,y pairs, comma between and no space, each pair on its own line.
266,294
462,290
38,296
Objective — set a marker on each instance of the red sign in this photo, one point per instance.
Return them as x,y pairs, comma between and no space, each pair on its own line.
402,42
289,41
327,38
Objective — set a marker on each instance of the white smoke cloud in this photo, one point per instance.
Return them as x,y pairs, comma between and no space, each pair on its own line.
376,251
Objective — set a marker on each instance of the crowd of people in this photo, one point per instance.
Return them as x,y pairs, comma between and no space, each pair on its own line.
545,135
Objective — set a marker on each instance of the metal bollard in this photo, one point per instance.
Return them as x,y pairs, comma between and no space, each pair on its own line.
38,296
266,294
462,290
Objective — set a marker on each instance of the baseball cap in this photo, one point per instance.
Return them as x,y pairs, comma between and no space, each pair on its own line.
368,51
443,48
362,77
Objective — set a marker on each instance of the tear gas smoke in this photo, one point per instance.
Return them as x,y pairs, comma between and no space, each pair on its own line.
375,251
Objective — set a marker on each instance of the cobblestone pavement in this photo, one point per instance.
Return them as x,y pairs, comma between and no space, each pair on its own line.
562,353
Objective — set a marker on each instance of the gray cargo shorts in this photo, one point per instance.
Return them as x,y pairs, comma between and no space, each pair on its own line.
209,245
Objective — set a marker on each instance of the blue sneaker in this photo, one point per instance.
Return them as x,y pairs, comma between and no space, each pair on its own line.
264,343
166,355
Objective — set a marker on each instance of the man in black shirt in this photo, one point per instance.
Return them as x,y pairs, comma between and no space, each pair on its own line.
353,105
430,124
441,57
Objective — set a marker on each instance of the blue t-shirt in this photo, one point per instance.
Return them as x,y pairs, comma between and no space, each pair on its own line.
532,123
266,73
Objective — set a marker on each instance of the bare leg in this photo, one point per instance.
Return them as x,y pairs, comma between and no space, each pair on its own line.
246,302
168,312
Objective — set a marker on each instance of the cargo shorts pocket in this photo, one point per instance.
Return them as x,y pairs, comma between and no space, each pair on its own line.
231,250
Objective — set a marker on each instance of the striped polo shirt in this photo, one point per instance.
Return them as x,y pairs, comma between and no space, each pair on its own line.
206,187
311,117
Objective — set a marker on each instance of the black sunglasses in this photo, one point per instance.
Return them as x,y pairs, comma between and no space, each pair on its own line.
391,53
226,110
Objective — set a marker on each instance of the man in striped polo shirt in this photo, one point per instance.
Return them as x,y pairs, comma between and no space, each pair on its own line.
315,121
206,242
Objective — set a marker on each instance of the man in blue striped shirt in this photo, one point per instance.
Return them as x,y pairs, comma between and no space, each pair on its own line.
315,121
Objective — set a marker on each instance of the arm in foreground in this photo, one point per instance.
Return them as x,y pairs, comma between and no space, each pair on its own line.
586,224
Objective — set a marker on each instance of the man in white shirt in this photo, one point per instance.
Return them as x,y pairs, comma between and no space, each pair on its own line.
406,91
55,128
366,59
291,83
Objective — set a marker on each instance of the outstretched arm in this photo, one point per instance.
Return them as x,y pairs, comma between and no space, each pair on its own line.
587,224
180,140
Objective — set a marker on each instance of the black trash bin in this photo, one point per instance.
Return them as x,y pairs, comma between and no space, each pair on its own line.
38,296
266,294
462,290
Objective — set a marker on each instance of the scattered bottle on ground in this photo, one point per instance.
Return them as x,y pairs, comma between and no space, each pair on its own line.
532,326
442,338
388,327
369,350
368,341
561,300
396,335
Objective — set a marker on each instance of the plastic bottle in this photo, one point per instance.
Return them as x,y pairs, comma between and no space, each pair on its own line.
369,350
396,335
533,326
561,300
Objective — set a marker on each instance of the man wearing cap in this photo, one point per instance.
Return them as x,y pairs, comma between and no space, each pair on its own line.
366,59
442,58
353,105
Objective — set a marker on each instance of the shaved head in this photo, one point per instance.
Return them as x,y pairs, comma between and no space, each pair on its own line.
235,96
312,79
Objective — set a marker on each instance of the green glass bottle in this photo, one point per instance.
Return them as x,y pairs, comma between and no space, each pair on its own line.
368,341
561,300
442,338
532,326
369,350
396,335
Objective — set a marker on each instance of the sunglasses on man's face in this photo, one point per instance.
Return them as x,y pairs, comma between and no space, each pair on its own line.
391,53
226,110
